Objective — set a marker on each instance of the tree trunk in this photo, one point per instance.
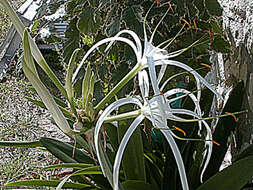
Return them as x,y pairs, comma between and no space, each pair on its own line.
238,22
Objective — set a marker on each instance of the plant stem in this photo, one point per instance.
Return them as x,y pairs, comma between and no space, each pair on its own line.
123,116
121,84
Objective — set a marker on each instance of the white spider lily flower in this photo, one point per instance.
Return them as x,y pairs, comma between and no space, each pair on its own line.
151,112
157,110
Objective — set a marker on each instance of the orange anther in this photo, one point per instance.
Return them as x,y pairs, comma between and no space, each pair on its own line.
209,32
206,65
195,25
236,120
180,130
218,144
157,3
187,23
170,6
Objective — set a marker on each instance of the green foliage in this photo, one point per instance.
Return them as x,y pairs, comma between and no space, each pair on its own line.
134,184
145,165
100,18
133,164
66,152
232,177
88,21
213,7
47,183
220,45
33,144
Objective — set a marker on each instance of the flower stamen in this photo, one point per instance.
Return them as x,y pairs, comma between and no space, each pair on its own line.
179,129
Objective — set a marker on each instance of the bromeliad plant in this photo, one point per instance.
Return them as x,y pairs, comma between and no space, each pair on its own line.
78,117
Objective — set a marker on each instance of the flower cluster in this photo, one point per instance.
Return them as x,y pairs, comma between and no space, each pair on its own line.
158,109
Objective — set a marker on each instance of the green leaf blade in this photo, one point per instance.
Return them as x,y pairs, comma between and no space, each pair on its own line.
47,183
17,144
233,177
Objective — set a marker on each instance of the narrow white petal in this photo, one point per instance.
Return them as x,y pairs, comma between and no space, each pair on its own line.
161,73
197,76
122,146
134,36
152,73
177,154
121,39
100,121
144,84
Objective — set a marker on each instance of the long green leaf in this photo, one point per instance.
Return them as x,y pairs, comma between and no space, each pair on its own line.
68,84
44,93
85,171
133,159
28,56
247,152
89,171
64,151
233,177
47,183
68,165
57,100
31,144
85,85
61,184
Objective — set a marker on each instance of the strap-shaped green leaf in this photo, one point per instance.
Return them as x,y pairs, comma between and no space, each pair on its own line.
43,91
31,144
85,171
85,85
27,54
233,177
42,105
47,183
64,151
47,99
247,152
68,84
68,165
89,171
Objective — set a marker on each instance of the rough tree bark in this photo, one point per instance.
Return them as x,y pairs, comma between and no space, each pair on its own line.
238,22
